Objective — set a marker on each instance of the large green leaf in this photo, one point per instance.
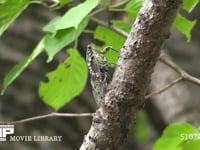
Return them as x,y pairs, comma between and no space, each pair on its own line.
72,18
189,5
19,68
193,144
174,136
184,25
66,82
63,30
9,10
133,7
110,38
54,43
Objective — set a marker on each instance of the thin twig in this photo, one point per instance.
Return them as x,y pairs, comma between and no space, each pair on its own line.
164,88
179,70
183,76
119,4
53,114
114,28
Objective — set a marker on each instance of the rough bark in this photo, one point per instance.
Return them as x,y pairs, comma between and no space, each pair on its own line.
126,92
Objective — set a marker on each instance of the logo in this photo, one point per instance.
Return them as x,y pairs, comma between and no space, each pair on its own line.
5,130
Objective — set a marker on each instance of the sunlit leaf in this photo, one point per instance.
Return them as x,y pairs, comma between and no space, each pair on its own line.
66,82
184,25
133,7
173,136
72,18
54,43
19,68
64,1
189,5
110,38
9,10
192,144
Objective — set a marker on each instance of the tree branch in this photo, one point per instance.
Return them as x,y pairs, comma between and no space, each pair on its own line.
132,75
53,114
163,89
183,76
179,70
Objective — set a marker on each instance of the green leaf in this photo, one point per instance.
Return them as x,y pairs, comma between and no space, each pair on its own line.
189,5
184,25
2,1
62,2
133,7
72,18
54,43
122,25
19,68
173,136
9,10
192,144
64,30
51,26
66,82
110,38
142,135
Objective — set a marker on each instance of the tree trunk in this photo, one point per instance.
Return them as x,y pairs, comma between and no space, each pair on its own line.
126,92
